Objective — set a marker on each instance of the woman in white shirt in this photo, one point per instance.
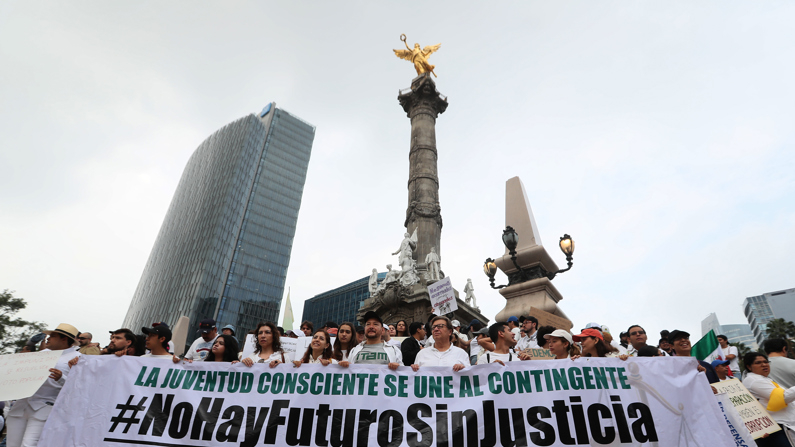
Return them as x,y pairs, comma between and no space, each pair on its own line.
346,340
319,350
560,344
268,347
778,401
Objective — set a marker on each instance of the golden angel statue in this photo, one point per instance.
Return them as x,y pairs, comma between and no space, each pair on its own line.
418,56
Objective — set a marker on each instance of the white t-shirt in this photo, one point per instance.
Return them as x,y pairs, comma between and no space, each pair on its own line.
734,364
200,349
434,357
163,356
275,356
491,357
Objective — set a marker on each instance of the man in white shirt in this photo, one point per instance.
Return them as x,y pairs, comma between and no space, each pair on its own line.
201,346
529,326
513,324
157,338
457,331
503,342
27,416
386,337
731,353
782,368
442,353
374,351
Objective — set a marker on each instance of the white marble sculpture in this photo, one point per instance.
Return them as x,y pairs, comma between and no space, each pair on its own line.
469,290
432,261
373,283
407,247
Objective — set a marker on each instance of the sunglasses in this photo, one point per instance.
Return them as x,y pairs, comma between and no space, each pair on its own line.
633,333
83,338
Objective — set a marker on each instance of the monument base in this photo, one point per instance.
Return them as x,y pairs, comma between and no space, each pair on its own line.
397,302
539,293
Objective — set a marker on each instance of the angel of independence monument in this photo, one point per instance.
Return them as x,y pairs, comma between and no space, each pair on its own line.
403,293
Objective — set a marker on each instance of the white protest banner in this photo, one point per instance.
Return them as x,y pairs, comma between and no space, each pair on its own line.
21,375
600,401
442,297
755,417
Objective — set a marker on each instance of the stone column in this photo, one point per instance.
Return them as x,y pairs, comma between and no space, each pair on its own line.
422,104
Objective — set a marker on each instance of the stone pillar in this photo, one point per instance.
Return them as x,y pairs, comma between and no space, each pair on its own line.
422,104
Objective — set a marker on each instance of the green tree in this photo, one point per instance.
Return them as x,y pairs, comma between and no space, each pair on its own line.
741,351
14,332
780,328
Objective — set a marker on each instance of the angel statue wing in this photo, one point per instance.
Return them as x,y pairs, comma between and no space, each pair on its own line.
403,54
430,49
413,237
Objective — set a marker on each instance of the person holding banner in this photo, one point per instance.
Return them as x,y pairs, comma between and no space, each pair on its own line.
346,340
224,350
27,416
504,341
318,351
560,344
268,348
442,353
778,401
374,351
593,345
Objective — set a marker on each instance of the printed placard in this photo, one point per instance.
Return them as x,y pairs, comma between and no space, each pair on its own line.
442,297
756,419
21,375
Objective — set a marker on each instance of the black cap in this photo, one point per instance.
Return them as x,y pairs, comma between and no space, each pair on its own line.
372,315
331,324
360,329
160,330
676,334
206,325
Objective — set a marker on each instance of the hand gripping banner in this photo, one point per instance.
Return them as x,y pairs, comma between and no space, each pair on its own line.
129,401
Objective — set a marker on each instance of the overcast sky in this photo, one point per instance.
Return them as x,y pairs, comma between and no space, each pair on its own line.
658,134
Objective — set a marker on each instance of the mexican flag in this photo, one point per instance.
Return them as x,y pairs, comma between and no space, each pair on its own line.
708,348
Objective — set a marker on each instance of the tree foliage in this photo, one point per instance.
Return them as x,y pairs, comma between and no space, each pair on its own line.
14,332
742,349
780,328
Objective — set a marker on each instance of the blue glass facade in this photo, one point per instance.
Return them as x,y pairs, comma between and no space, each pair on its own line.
338,305
760,310
224,246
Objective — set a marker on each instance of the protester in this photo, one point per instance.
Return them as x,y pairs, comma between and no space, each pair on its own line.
267,347
86,347
530,328
27,416
442,353
346,340
513,324
374,351
541,334
201,346
328,326
561,344
777,400
782,368
637,339
392,330
721,368
229,330
224,349
593,344
412,345
307,327
680,340
121,340
319,350
457,333
624,337
402,329
665,346
504,341
731,353
359,334
387,339
157,338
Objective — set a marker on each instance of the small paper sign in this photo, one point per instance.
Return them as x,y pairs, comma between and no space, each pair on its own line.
442,297
755,417
23,374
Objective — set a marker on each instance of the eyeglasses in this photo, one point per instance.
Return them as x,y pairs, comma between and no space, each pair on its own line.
438,326
83,338
633,333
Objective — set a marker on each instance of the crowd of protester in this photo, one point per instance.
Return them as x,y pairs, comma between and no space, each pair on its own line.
769,375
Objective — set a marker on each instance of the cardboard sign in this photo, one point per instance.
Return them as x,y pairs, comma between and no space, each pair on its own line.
21,375
442,297
756,419
539,354
547,319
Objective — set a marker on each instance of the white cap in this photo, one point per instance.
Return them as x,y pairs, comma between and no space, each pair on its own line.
560,333
456,323
385,326
295,332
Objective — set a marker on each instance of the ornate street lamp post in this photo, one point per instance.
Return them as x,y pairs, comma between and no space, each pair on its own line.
511,240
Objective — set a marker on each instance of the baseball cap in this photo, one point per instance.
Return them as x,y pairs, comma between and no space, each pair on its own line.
333,331
593,325
206,325
560,333
160,330
513,318
676,334
716,363
456,323
370,316
588,333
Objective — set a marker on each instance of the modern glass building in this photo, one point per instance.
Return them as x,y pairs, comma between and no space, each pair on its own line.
224,246
338,305
761,309
736,333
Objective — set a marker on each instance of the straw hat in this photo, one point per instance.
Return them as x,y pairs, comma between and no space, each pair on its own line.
65,329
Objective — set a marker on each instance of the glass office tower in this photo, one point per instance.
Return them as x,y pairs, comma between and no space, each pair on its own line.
224,246
338,305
